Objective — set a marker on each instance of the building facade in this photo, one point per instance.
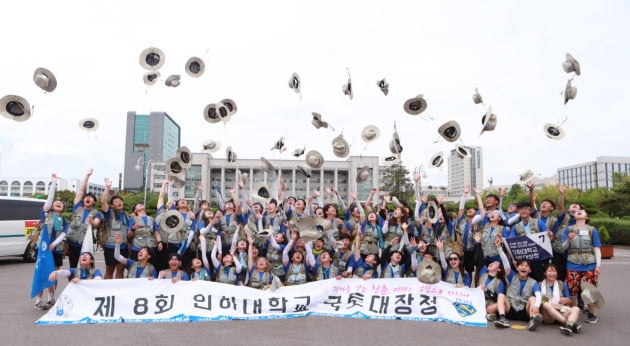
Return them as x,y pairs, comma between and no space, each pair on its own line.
594,174
149,138
465,171
34,187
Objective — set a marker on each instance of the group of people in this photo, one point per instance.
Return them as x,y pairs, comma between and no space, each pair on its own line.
269,241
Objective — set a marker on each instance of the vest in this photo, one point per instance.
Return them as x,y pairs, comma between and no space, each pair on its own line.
78,228
518,301
144,236
549,293
202,275
228,228
52,232
296,274
450,277
391,272
179,275
581,247
533,227
227,275
132,273
493,285
428,235
114,226
274,257
321,273
472,229
255,281
276,223
341,262
487,240
372,239
556,244
78,273
362,270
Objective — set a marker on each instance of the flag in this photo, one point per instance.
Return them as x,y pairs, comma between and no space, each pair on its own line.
44,265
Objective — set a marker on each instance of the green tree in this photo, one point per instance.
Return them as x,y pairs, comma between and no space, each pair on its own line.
397,183
515,194
616,203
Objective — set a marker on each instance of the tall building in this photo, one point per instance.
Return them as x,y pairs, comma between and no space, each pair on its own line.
467,171
594,174
39,186
150,138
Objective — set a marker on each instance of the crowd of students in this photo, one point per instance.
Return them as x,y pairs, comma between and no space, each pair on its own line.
263,242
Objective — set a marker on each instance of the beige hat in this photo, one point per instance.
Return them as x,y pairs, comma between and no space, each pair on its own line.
230,105
553,131
211,145
428,272
211,114
416,105
171,221
363,174
462,151
151,77
526,176
477,97
305,170
488,121
433,211
230,155
279,145
195,67
436,160
383,85
174,167
450,131
152,58
569,92
592,295
571,65
370,133
45,79
341,148
347,88
314,159
267,165
294,83
394,144
317,121
390,160
185,157
89,124
260,193
173,81
15,107
299,152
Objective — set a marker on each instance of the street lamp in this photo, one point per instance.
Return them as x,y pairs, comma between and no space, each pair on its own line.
144,176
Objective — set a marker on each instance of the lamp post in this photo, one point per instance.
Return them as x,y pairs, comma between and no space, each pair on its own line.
145,175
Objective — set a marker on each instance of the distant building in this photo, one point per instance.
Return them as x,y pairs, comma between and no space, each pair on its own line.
157,130
32,187
594,174
462,172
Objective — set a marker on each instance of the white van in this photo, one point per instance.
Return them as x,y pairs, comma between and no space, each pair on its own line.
18,218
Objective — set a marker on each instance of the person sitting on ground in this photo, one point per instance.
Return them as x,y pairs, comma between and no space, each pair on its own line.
555,302
522,298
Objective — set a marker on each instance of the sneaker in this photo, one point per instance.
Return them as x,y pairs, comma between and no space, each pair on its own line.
50,303
491,317
576,328
502,323
41,306
534,322
566,330
591,319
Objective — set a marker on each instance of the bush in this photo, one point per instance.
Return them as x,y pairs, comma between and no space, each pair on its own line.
618,230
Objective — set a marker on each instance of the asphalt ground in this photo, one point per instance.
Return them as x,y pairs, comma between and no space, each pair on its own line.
19,316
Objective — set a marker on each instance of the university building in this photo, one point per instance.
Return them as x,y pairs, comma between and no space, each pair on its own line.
594,174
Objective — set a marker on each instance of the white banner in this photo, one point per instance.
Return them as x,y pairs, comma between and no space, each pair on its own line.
142,300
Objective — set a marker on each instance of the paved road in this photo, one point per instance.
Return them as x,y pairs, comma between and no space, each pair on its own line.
18,328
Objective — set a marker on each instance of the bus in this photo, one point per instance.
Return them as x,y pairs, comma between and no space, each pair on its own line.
18,218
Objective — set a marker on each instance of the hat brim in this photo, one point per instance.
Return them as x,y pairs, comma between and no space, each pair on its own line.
195,67
45,79
370,133
13,103
450,131
148,57
415,106
314,159
88,124
171,221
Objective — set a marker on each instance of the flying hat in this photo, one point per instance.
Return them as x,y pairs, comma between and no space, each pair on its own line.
416,105
295,83
88,241
211,114
230,155
363,174
553,131
211,145
436,160
317,121
591,295
433,211
341,148
305,170
195,67
230,105
178,181
347,88
569,92
462,151
526,176
15,107
299,152
45,79
383,85
185,157
314,159
428,272
89,124
174,167
450,131
394,144
571,65
390,160
488,121
171,221
152,58
370,133
307,227
477,97
261,193
279,144
173,81
267,165
151,77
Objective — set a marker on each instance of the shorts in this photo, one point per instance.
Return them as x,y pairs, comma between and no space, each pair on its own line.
109,256
574,278
517,315
469,261
58,257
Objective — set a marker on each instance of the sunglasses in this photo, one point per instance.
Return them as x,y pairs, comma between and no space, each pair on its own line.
453,259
